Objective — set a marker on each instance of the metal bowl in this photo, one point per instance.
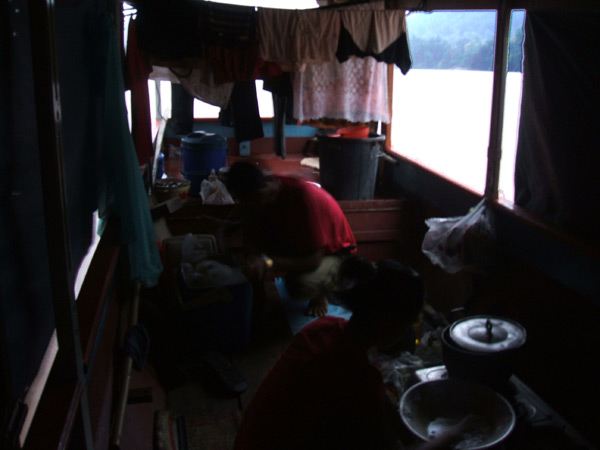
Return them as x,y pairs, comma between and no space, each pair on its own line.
430,408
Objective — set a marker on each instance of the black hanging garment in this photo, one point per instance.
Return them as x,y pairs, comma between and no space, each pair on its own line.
558,151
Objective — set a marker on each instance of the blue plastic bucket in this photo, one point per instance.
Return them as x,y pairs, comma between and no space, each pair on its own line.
200,153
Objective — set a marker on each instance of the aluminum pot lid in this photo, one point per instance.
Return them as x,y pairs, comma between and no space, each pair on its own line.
487,334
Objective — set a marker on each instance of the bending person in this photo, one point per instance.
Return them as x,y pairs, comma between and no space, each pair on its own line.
322,393
292,228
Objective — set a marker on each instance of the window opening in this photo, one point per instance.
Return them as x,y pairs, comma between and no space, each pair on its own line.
442,106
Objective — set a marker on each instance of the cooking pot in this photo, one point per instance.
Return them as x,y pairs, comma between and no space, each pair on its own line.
483,349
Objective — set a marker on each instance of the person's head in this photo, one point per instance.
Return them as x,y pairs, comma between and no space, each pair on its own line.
385,298
244,179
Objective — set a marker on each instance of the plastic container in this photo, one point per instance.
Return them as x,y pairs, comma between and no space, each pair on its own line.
160,166
200,153
348,167
168,188
356,132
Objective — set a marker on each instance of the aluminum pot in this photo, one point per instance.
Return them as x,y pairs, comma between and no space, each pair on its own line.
483,349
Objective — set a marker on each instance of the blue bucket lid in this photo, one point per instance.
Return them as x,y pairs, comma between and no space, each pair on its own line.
204,141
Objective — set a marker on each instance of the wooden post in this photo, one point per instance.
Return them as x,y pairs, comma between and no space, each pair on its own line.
498,94
125,378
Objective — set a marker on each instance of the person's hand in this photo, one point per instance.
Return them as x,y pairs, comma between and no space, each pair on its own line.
455,433
254,267
451,435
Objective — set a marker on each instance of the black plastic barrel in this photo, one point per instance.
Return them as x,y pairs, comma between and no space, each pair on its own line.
348,166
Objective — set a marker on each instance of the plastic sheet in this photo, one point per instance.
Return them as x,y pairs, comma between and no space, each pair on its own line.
214,192
199,270
464,243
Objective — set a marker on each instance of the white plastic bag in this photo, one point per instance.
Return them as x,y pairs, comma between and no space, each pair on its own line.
214,192
200,271
209,273
462,243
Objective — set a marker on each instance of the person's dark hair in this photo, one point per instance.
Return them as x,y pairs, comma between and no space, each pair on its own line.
243,178
388,286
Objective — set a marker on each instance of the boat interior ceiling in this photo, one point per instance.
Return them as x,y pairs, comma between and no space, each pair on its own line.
75,200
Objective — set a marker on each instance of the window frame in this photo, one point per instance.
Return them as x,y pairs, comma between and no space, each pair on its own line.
494,153
518,224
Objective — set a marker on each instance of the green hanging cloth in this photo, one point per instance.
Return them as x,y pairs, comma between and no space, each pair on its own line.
121,188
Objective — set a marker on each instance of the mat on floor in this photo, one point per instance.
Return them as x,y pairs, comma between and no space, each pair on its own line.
294,310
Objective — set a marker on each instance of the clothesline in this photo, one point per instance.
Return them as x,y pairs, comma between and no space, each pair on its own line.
336,58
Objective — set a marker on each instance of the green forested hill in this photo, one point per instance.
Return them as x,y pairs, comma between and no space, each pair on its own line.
460,40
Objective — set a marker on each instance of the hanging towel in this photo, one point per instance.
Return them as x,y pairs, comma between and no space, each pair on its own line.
294,38
355,90
121,190
196,77
199,82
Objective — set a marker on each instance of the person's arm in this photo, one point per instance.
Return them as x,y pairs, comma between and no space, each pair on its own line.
259,265
306,263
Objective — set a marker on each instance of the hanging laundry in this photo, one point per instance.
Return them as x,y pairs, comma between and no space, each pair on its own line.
247,124
198,80
239,65
355,90
162,74
229,32
169,31
294,38
373,31
380,34
283,108
182,110
225,25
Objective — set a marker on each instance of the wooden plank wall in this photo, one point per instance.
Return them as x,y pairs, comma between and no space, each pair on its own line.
380,226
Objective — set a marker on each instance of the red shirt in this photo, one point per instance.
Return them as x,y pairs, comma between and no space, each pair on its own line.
321,393
304,218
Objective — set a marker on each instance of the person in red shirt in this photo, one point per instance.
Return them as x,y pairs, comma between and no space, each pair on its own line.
293,228
322,392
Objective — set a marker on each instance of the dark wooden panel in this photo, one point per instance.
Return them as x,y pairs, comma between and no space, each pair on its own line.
379,225
95,289
101,375
55,416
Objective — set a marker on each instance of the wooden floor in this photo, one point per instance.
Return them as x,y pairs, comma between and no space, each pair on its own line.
194,396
